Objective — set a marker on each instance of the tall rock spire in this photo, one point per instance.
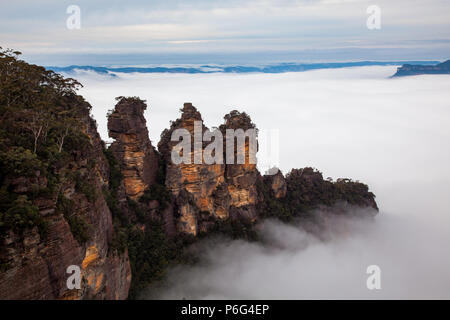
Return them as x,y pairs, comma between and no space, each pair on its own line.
132,147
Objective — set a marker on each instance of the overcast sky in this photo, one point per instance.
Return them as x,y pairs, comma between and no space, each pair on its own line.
205,31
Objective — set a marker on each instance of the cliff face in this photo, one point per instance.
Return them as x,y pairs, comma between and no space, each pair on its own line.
205,192
411,69
196,187
36,265
132,147
277,184
240,178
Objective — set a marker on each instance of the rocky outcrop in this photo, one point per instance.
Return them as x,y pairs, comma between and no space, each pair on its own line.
307,190
201,181
277,184
132,147
204,193
79,233
241,177
411,69
218,190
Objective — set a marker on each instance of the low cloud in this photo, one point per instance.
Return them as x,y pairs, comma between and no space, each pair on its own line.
411,251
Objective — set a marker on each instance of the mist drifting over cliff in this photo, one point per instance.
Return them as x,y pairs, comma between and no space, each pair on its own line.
294,264
393,134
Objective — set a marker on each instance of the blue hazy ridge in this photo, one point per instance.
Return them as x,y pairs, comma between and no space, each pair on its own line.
277,68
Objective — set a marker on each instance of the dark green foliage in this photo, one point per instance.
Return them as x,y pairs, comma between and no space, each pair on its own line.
110,195
152,252
122,99
270,206
119,242
115,176
157,192
355,193
307,190
88,189
22,214
40,109
42,130
113,205
139,210
238,228
18,161
78,226
237,120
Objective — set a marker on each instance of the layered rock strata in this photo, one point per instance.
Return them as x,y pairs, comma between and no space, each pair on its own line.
36,266
132,147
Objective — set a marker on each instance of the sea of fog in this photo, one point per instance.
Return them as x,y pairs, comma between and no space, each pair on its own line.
393,134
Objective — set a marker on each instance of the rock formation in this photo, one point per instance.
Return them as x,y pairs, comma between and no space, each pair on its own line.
218,190
132,147
241,178
277,183
412,69
202,181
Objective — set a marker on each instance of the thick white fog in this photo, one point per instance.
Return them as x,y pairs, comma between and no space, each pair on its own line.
393,134
412,255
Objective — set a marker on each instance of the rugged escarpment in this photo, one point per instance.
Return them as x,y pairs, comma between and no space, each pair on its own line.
123,214
413,69
52,212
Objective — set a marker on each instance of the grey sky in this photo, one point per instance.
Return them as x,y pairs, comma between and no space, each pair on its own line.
221,31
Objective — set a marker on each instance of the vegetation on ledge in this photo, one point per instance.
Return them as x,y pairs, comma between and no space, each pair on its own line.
42,129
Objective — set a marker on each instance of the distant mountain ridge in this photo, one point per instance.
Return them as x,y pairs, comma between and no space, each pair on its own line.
276,68
416,69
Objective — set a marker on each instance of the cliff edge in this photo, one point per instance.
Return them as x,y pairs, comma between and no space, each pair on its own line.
411,69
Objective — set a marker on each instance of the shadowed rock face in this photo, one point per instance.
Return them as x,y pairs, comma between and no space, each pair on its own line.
277,184
306,187
241,178
132,147
37,267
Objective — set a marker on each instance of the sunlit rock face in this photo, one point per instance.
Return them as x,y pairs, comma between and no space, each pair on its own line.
132,146
200,180
218,190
